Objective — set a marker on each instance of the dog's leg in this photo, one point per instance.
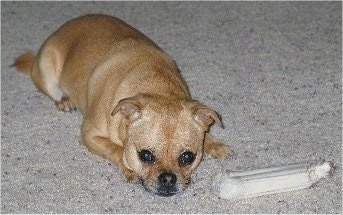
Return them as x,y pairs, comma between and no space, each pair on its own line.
214,148
103,147
45,74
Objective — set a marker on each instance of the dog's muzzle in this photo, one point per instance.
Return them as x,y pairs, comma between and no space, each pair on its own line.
167,184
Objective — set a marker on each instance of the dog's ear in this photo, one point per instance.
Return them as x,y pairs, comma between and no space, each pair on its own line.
131,107
204,115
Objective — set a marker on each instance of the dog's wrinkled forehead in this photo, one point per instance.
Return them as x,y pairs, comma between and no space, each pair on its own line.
142,109
165,108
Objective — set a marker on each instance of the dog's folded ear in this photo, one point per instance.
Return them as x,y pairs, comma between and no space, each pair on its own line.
204,115
131,107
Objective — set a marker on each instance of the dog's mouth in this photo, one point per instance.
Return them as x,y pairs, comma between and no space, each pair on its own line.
166,185
162,191
166,193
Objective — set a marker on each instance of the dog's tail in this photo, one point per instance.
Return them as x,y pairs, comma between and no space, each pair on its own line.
24,62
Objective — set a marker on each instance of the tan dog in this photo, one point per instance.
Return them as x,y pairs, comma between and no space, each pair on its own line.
137,109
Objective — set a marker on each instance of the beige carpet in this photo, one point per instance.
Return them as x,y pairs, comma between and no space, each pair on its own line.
273,70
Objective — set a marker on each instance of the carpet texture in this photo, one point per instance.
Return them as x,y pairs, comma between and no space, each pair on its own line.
273,71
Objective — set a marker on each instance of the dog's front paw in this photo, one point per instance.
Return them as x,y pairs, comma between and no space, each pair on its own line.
130,176
216,149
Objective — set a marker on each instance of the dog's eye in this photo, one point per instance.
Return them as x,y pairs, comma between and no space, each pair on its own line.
186,158
146,156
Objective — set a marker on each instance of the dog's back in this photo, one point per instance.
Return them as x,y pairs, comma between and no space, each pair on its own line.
66,61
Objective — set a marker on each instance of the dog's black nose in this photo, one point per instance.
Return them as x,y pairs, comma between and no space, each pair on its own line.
167,184
167,179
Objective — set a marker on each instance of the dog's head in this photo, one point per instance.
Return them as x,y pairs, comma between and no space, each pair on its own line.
163,139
